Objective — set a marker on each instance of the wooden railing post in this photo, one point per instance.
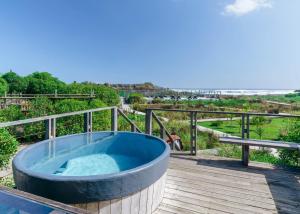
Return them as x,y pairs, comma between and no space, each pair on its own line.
193,127
245,148
88,122
114,119
133,128
148,122
50,126
162,132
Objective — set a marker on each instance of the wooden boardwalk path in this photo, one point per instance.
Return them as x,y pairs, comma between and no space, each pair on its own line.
220,185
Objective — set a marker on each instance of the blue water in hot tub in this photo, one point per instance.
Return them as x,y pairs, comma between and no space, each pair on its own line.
97,153
98,164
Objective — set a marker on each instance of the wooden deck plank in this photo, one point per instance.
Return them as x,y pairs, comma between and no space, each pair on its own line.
221,185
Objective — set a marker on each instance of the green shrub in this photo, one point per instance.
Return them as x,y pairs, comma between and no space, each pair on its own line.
217,123
107,94
136,98
8,182
101,120
8,147
71,124
292,135
3,86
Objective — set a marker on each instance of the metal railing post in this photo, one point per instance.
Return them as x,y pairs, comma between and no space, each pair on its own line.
133,128
114,119
148,122
88,121
50,126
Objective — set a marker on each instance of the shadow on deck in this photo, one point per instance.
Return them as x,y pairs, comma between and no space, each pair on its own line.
210,184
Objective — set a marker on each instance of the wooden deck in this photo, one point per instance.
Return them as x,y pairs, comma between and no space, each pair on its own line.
220,185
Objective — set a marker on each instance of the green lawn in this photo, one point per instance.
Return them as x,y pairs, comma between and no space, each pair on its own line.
271,131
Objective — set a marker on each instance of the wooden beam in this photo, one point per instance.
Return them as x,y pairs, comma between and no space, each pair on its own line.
260,143
163,130
134,127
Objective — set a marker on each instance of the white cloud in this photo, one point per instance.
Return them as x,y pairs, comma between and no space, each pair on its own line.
242,7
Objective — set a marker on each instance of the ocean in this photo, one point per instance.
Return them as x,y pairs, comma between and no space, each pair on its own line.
238,92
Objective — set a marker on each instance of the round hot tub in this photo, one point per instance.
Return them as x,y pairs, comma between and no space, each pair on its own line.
98,170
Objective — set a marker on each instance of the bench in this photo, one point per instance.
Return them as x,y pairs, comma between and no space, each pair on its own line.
246,143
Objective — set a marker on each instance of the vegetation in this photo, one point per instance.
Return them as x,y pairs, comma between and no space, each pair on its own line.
105,95
135,98
291,134
288,98
3,86
45,83
17,84
260,127
8,147
7,181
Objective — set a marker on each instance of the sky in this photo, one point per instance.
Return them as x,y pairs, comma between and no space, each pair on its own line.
253,44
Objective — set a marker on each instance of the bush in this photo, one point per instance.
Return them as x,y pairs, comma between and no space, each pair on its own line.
3,86
136,98
71,124
101,120
292,135
11,113
108,95
217,123
8,147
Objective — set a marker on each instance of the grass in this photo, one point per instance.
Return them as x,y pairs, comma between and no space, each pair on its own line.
271,131
288,98
235,151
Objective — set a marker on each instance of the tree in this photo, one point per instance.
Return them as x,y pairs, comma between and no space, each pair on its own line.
17,84
3,86
44,83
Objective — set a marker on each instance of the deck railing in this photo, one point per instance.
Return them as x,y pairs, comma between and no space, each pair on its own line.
245,123
50,121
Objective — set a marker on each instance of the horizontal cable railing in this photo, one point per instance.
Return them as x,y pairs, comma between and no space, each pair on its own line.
245,126
51,120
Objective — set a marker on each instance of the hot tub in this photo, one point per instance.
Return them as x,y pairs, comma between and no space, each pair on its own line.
116,171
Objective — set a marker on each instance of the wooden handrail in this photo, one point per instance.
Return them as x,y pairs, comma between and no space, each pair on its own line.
128,120
163,127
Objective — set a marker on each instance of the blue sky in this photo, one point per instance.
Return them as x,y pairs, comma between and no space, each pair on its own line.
173,43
